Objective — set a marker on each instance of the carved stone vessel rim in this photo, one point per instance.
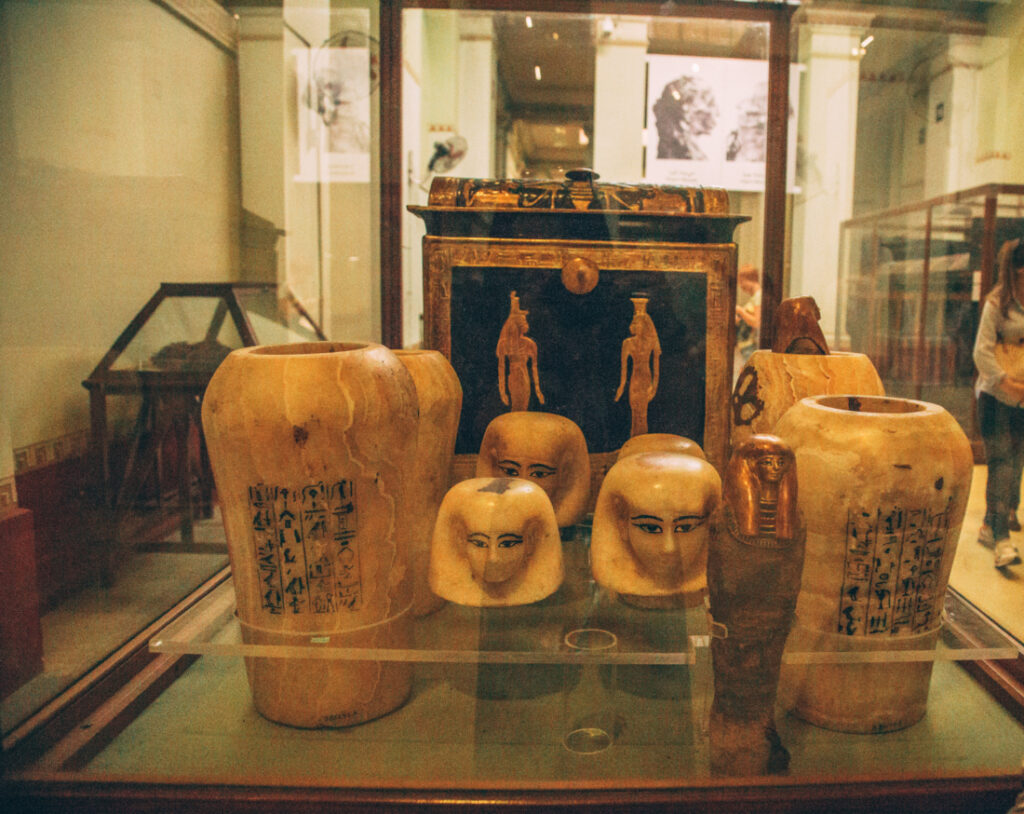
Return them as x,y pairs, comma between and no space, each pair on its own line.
760,541
890,407
307,349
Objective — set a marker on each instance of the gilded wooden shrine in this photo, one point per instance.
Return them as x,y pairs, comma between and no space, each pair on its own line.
608,304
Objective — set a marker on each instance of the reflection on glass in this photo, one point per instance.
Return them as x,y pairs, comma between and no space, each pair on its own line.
576,91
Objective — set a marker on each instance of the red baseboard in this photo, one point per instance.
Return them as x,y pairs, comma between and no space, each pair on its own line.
66,529
21,636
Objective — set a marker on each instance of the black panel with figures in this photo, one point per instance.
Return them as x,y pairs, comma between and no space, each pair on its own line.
577,344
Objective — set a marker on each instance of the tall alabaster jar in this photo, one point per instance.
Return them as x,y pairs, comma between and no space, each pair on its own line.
311,446
439,395
883,485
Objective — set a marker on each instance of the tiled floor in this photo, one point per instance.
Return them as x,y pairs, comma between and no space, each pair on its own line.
999,592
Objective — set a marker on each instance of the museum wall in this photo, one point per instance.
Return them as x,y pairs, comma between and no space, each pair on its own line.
119,164
273,187
261,89
120,171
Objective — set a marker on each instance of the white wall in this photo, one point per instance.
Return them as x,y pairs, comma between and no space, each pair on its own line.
828,126
119,165
476,95
413,170
619,75
1008,21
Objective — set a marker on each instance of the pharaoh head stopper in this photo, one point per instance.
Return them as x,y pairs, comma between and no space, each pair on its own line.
652,525
543,448
495,543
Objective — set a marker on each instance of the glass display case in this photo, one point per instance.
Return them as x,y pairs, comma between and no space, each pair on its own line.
866,151
153,359
912,282
577,700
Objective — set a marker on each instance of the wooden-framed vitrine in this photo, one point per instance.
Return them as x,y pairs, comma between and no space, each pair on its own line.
163,722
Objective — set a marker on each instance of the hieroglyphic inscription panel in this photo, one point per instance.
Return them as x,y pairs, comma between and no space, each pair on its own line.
893,558
306,552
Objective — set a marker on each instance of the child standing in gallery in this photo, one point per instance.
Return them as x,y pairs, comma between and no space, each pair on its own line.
999,356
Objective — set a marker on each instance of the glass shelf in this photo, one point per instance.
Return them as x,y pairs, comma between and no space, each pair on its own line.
552,632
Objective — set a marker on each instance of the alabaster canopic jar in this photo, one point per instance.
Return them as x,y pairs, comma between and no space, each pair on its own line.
660,442
496,543
439,396
311,447
651,526
883,487
771,383
543,448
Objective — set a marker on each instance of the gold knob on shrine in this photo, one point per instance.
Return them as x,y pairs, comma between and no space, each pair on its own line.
580,275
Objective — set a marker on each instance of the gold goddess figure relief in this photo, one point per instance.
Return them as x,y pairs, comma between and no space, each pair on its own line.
517,359
644,350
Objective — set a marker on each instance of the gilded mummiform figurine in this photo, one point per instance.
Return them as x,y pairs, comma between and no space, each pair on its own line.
651,528
754,569
643,349
517,359
496,543
546,449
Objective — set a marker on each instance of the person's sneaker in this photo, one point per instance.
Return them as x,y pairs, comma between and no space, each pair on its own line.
1006,553
1014,523
986,537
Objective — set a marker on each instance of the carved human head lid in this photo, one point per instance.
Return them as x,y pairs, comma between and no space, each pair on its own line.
761,491
651,525
495,543
660,442
546,449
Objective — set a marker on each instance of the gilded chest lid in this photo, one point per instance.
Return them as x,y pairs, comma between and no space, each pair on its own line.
578,207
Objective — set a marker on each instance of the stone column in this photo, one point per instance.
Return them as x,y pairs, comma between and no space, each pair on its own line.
619,101
828,139
476,95
951,140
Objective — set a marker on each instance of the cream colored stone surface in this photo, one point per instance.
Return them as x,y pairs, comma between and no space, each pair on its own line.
546,449
496,543
652,526
439,395
771,383
660,442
